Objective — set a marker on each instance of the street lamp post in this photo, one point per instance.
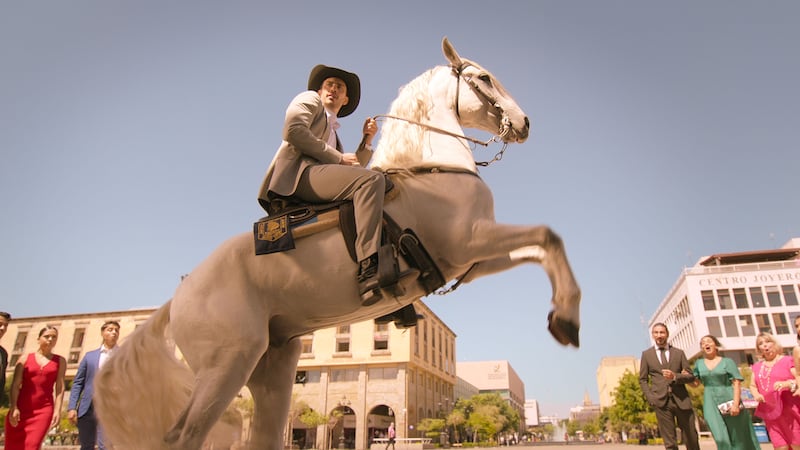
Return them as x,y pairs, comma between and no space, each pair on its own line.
344,404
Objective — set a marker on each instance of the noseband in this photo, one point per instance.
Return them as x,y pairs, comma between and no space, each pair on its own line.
458,71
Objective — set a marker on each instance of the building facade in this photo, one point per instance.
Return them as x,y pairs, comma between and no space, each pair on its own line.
374,375
364,375
77,334
735,296
610,370
531,413
586,412
496,377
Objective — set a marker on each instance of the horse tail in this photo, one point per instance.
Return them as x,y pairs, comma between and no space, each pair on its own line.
142,388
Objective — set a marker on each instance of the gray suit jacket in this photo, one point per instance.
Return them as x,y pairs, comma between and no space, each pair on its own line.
305,132
658,389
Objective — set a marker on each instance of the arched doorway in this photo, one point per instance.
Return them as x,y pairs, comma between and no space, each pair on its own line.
378,420
342,428
303,435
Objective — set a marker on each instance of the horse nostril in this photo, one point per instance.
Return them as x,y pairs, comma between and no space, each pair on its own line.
527,123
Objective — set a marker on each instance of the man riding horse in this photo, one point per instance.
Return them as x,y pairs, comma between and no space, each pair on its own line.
310,165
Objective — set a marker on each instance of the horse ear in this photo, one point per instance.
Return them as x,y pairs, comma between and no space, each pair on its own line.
450,53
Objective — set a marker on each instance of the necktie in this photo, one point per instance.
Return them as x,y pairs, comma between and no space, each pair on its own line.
663,356
332,136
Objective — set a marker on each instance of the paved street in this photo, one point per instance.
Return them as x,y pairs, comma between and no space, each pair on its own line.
705,444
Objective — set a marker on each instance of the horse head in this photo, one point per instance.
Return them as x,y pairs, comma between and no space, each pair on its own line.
424,126
486,100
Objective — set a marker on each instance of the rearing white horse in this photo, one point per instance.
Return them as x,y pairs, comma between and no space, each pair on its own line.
237,317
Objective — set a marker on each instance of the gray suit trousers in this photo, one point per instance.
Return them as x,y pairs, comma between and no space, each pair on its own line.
366,188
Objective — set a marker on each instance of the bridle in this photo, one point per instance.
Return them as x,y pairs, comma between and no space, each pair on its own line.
458,71
505,122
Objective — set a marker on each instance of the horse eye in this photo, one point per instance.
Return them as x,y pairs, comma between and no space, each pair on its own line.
485,77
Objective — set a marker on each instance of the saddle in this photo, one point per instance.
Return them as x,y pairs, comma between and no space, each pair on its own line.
289,219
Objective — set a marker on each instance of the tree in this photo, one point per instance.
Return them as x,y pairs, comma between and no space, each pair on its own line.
486,415
456,419
431,427
630,406
313,419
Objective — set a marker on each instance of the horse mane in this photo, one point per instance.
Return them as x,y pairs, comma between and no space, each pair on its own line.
400,143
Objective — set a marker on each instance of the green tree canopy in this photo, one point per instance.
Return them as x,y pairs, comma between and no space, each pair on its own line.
630,406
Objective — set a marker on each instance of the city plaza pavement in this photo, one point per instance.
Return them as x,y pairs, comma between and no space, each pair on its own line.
705,444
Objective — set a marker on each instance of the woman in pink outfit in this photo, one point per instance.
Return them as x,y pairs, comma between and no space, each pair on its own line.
772,386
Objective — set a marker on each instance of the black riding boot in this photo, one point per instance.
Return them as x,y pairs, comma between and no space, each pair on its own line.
368,283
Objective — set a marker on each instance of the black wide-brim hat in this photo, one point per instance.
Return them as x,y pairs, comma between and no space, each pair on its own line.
321,72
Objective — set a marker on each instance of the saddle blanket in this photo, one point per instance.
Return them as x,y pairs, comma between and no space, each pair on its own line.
272,235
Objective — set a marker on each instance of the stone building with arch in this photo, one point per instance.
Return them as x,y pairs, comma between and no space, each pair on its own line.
375,374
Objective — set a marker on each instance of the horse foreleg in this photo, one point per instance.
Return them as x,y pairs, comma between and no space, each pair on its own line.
271,386
499,247
216,384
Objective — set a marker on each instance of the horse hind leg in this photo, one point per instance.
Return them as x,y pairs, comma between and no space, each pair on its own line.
271,386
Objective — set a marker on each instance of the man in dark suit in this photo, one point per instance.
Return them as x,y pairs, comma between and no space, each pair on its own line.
80,409
663,374
5,318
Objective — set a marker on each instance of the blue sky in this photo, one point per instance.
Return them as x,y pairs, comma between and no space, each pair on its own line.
134,136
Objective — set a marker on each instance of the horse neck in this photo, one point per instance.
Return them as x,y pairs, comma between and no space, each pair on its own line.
446,151
429,99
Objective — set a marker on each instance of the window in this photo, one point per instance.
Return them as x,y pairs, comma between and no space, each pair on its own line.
773,295
313,376
74,357
713,326
789,297
300,377
383,373
411,376
781,325
724,296
77,338
381,344
762,322
731,330
740,297
308,344
342,375
343,339
19,343
342,345
381,337
708,300
746,322
416,341
757,295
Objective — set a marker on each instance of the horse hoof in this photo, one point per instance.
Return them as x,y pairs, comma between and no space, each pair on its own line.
565,332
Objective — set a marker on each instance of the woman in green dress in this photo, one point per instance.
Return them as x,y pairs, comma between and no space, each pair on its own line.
722,381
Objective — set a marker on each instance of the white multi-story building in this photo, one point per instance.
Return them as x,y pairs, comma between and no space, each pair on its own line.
735,296
531,413
496,377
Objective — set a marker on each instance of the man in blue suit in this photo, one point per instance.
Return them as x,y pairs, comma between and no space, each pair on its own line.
80,408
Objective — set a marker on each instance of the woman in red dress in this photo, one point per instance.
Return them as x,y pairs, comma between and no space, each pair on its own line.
37,392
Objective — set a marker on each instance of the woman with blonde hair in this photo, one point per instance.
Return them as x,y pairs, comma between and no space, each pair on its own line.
772,386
